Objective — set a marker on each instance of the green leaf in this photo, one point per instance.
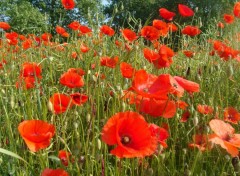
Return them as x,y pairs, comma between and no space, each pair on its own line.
6,152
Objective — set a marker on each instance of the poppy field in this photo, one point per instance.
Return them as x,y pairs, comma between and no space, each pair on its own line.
94,100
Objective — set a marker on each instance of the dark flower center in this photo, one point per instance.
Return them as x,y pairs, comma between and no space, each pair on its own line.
125,140
175,85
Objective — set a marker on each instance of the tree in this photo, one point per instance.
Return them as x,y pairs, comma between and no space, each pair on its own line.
126,12
28,16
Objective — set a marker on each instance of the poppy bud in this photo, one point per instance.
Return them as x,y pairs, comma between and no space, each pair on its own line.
12,103
99,144
88,117
195,120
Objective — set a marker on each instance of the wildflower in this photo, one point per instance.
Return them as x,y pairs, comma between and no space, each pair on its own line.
46,37
74,25
59,103
107,30
60,30
64,157
229,19
36,134
5,26
68,4
185,116
161,26
71,80
31,70
231,115
160,133
129,35
200,142
185,11
166,14
109,62
131,134
78,98
150,55
224,135
126,70
150,33
54,172
191,31
204,109
188,53
187,85
236,10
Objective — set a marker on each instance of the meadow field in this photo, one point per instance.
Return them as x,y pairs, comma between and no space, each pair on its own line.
160,100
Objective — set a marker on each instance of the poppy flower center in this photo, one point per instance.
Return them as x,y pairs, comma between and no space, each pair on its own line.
125,140
228,137
231,117
145,90
175,85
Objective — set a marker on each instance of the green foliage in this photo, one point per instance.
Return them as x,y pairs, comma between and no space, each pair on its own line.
36,16
123,11
24,18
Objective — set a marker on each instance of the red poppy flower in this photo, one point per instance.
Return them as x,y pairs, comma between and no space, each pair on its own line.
161,26
129,35
220,25
185,116
109,62
156,108
78,99
182,104
12,38
107,30
166,14
229,19
145,85
74,25
54,172
172,27
31,70
204,109
37,134
5,26
46,37
188,53
26,82
236,10
84,48
150,55
160,133
131,133
68,4
191,31
150,33
60,30
79,71
27,44
225,136
71,80
84,29
64,157
189,86
231,115
165,59
185,11
59,103
65,34
200,142
126,70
